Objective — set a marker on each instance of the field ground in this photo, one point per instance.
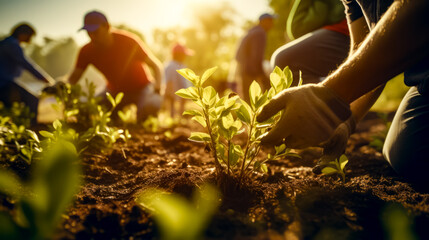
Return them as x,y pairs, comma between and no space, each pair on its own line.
289,203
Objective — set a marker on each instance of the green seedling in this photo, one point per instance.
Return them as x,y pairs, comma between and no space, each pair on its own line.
86,120
337,167
19,114
177,217
17,142
228,116
40,203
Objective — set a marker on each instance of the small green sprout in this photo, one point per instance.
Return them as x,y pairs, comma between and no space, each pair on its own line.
337,167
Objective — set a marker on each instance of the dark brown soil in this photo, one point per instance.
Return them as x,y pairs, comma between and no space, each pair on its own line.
288,203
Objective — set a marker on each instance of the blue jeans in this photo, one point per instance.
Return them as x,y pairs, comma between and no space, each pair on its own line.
407,143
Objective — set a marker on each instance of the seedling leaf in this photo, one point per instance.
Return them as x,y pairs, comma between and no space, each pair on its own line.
207,74
199,137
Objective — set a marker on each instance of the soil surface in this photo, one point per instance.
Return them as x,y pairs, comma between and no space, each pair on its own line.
290,202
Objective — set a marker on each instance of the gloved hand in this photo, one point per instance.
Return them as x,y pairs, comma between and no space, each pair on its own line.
336,145
312,112
54,88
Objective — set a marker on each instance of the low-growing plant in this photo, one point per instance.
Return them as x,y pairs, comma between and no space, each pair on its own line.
177,217
40,203
19,113
17,142
336,167
86,119
226,117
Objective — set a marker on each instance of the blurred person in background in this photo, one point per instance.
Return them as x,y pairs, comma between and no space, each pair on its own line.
321,40
124,60
250,57
325,114
174,81
12,62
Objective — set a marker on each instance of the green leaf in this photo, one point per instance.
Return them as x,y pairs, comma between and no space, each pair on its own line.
329,170
343,161
201,120
280,149
119,97
289,76
189,75
192,112
227,121
57,124
207,74
46,134
33,135
254,92
10,184
243,114
186,93
199,137
264,168
72,113
110,98
209,95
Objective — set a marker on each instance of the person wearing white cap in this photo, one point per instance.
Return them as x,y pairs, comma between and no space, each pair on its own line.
250,56
123,59
173,80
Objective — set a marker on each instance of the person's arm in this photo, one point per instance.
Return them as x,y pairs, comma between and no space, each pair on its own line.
398,41
17,54
75,75
156,66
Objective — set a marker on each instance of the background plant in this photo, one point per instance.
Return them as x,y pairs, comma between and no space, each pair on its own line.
177,217
228,116
87,117
16,140
39,203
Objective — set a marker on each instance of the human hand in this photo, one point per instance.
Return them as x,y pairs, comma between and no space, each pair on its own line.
54,88
336,145
312,112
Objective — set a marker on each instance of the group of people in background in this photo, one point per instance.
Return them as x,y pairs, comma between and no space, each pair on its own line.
345,52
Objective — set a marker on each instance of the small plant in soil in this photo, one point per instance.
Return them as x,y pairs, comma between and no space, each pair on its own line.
87,117
177,217
336,167
17,142
40,202
226,117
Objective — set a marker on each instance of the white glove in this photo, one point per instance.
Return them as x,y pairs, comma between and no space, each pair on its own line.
312,112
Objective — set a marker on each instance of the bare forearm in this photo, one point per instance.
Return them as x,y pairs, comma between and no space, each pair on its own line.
398,41
75,76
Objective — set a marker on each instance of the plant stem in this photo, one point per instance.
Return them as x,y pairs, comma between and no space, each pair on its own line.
229,146
213,142
252,123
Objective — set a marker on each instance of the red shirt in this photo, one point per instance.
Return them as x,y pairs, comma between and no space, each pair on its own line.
122,63
340,27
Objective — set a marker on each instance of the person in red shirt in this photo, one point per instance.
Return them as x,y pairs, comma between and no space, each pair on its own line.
124,61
